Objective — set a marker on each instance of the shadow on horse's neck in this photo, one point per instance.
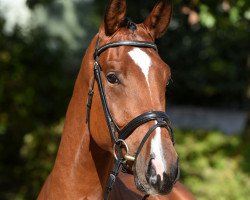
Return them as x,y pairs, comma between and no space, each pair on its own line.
102,160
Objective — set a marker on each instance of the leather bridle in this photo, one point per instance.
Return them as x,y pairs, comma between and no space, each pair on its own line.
119,135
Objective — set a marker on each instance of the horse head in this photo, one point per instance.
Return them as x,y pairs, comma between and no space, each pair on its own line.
130,108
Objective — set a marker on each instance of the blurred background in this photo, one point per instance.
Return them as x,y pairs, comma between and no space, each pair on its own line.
207,46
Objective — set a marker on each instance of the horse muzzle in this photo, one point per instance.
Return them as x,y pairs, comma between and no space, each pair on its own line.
153,180
161,183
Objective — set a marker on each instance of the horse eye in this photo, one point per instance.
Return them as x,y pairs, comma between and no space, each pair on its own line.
112,78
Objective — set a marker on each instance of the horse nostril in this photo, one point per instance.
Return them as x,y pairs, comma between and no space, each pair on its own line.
153,179
151,174
162,183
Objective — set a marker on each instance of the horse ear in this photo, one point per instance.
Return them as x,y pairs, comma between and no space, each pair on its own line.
114,15
159,19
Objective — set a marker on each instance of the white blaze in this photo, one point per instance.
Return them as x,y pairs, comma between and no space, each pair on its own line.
142,60
157,150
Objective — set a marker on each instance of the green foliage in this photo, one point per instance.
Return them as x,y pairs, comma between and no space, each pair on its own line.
33,3
212,165
39,151
34,92
206,18
208,57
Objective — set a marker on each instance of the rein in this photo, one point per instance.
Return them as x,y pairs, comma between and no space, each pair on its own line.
119,135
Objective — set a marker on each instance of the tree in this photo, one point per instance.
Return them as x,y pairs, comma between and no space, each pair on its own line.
37,71
25,64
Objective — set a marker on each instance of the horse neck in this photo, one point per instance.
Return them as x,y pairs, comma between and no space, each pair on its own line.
81,167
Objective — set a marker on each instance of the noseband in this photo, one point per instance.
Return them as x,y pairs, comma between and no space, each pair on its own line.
119,135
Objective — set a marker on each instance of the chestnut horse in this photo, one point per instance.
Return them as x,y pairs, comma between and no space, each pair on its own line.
124,126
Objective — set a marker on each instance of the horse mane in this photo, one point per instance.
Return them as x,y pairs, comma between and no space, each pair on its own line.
128,23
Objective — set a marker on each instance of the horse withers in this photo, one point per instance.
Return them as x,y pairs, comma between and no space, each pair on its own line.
116,118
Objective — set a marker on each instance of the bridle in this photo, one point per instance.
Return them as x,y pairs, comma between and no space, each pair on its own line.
119,135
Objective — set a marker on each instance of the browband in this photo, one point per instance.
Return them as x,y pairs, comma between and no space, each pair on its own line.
136,43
